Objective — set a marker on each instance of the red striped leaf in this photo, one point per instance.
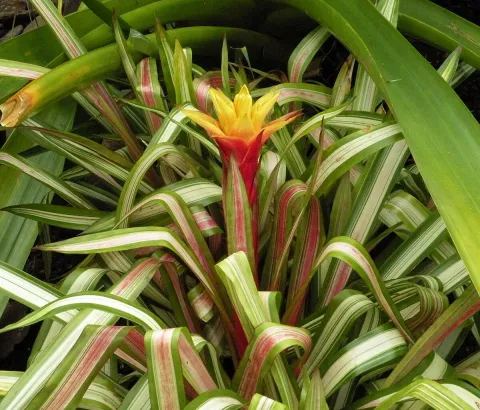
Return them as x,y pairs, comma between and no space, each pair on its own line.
273,275
67,385
148,87
268,342
306,247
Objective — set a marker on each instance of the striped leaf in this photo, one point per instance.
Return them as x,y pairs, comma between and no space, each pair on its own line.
304,53
350,251
313,94
166,59
441,396
260,402
345,308
343,83
149,88
217,400
132,238
293,158
69,383
352,149
235,274
319,119
268,341
46,362
194,192
309,240
239,221
57,215
135,177
98,94
100,394
138,396
46,178
287,197
313,394
365,91
182,307
167,352
459,311
79,280
370,197
375,349
182,77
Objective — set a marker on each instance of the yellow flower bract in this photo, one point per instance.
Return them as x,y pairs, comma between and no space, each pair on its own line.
240,118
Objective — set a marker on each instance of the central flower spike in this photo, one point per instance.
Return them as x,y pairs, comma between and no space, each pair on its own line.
241,130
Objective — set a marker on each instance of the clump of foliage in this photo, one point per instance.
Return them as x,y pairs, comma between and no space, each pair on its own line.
251,238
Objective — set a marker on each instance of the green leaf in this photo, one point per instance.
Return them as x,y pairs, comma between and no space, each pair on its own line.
446,163
459,311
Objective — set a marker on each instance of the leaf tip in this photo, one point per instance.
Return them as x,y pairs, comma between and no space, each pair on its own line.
13,109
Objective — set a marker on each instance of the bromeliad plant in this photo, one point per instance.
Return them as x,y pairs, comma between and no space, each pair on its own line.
229,241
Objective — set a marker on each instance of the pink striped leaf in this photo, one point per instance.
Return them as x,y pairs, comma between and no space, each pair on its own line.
254,308
98,94
238,216
134,180
353,253
165,378
207,225
32,381
203,83
288,196
304,53
458,312
133,350
142,82
179,341
95,300
185,222
201,303
271,177
268,341
100,394
178,299
151,91
194,191
21,70
132,238
300,210
308,242
81,279
67,385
